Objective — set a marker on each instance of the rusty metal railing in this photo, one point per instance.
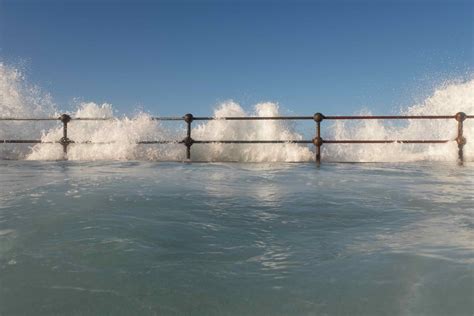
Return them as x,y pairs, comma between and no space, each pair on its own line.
317,141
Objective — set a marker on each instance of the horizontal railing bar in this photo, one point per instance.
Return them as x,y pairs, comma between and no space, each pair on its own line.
283,142
389,117
139,142
14,141
168,118
207,142
28,119
160,142
385,141
93,118
252,141
24,141
253,118
324,141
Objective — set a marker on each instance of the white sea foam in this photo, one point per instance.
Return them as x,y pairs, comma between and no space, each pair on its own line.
446,100
19,99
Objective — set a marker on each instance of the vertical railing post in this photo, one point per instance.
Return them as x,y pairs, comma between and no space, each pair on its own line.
65,141
460,139
318,141
188,141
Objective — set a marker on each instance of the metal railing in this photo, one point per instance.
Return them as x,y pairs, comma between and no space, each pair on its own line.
317,141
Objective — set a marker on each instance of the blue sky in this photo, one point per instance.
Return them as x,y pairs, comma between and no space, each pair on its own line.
173,57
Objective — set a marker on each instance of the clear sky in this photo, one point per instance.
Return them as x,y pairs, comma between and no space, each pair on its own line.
173,57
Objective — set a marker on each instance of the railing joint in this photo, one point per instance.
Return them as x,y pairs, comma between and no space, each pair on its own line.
188,141
461,116
318,117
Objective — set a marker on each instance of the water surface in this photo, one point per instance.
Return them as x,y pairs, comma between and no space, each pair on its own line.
149,238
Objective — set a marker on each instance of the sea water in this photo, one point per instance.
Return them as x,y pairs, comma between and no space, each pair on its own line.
151,238
115,230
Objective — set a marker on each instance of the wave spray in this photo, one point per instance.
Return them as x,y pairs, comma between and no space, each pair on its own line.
19,99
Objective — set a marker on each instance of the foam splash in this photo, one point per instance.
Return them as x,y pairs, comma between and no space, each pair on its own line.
249,130
19,99
118,137
122,134
446,100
